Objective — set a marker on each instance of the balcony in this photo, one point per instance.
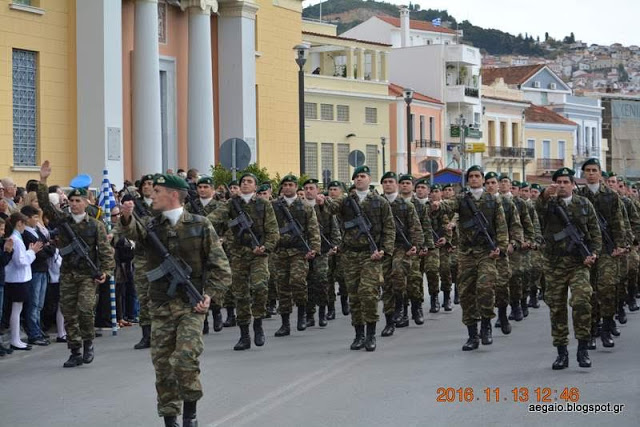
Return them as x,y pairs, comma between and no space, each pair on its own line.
316,82
427,148
427,143
462,94
549,164
512,153
463,54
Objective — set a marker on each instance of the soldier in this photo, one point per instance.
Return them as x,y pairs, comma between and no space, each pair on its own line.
77,281
396,265
538,276
632,221
369,234
533,264
176,325
254,229
449,259
229,301
299,243
476,255
437,277
566,266
336,191
604,273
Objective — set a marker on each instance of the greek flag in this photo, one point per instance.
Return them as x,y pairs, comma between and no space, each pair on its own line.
106,200
436,22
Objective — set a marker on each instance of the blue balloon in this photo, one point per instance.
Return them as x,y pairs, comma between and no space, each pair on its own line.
81,181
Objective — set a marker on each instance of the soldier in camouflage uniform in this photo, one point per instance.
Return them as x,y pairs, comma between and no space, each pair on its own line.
449,258
265,192
443,247
248,259
634,263
361,260
77,286
336,191
318,277
537,278
229,300
176,325
476,257
530,286
294,251
397,264
604,273
566,267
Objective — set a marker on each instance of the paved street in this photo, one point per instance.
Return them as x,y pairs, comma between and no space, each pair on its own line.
313,379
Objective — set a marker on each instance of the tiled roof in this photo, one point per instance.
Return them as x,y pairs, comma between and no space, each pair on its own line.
497,98
511,75
309,33
396,90
416,25
539,114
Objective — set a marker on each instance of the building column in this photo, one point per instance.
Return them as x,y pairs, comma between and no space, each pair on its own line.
237,72
509,134
200,137
375,72
384,69
349,52
147,127
360,63
401,136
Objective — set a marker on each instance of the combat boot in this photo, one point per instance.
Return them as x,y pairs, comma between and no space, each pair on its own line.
533,298
370,341
322,318
598,328
397,313
74,360
435,304
562,361
344,302
171,421
473,342
503,321
302,323
189,414
404,318
447,301
592,340
613,328
456,294
231,318
87,352
258,332
622,315
271,308
631,300
416,312
145,341
358,342
485,332
205,327
524,307
605,333
217,319
331,311
583,354
285,329
244,343
516,312
311,321
390,327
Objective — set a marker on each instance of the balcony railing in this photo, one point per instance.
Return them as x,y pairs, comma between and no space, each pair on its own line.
511,152
472,92
550,163
427,143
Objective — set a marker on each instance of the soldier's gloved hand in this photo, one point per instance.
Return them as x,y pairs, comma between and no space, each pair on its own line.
203,306
333,250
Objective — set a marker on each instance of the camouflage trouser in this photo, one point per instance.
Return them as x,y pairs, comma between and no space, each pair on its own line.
318,282
563,273
395,269
526,273
273,285
176,343
333,278
229,301
623,279
445,269
517,263
503,267
453,268
535,272
249,278
142,290
420,266
362,276
291,269
431,266
634,264
77,303
603,280
338,274
476,282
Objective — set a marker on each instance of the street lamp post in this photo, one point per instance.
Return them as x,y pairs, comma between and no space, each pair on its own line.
408,97
301,59
383,141
463,148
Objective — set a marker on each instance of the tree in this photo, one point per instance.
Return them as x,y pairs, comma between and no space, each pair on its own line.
546,36
623,75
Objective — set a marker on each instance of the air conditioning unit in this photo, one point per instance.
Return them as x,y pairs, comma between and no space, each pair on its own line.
552,86
536,84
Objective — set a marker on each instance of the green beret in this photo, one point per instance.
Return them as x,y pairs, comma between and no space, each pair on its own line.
474,168
504,176
206,180
515,183
310,181
77,192
490,175
445,186
337,184
234,182
264,187
612,174
536,187
147,177
436,187
171,181
361,169
246,174
563,172
591,161
405,177
387,175
423,181
289,178
619,178
604,174
524,184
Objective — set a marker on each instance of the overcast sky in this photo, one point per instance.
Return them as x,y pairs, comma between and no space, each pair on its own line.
592,21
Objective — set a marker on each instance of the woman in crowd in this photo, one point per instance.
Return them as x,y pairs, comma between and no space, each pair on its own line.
6,252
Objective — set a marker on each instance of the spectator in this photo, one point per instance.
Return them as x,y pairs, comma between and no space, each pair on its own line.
9,193
4,209
5,256
18,199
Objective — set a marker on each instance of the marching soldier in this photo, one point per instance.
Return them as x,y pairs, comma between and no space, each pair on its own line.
449,258
299,243
254,232
568,258
533,264
538,276
77,280
229,301
632,221
438,278
176,324
336,191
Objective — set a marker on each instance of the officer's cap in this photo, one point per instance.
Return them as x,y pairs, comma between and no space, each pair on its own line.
361,169
171,181
264,187
612,174
405,177
336,184
389,175
563,172
515,183
605,174
445,186
147,177
591,161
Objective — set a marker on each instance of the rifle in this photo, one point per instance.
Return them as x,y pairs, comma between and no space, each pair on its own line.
323,237
78,247
178,272
401,234
292,226
478,222
363,224
243,222
191,197
572,232
609,246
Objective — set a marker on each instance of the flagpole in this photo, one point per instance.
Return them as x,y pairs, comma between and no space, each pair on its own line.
106,201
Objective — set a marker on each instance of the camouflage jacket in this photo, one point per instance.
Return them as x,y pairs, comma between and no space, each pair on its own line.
424,215
608,206
633,230
533,214
306,218
328,228
512,216
406,213
206,210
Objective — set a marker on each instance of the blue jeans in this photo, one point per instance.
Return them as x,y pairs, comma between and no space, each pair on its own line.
37,292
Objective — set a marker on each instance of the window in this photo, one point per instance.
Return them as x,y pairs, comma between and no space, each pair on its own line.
432,129
370,115
25,127
343,113
531,143
327,158
544,98
546,149
371,157
311,159
326,111
476,117
422,128
22,2
343,162
561,148
310,111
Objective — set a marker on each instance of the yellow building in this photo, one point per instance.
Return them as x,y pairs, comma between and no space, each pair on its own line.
37,88
346,103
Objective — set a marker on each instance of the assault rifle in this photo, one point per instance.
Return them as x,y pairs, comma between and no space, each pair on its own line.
400,234
323,237
197,209
79,248
243,222
479,223
363,224
576,237
292,226
607,241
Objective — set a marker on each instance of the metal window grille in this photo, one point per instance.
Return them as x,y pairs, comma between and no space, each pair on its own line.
25,128
326,111
311,159
370,115
343,162
371,157
327,157
310,110
343,113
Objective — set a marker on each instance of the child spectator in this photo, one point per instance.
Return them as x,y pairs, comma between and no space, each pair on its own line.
6,252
